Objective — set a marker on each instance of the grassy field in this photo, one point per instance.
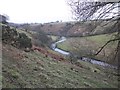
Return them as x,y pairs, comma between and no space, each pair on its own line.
54,38
34,70
88,46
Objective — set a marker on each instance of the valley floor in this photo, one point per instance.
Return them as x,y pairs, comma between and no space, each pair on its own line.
88,46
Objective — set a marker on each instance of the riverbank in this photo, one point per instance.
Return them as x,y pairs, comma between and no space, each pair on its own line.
88,46
93,61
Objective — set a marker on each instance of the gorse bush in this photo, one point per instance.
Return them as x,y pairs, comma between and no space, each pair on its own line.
24,41
12,37
8,35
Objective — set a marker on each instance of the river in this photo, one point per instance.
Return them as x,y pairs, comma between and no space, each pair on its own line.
54,46
86,59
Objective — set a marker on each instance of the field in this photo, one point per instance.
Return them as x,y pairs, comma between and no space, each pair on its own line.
53,37
89,45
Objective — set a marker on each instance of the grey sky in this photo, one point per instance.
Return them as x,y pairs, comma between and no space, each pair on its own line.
31,11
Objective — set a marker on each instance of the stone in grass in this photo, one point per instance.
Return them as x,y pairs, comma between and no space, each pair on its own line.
27,50
95,70
87,84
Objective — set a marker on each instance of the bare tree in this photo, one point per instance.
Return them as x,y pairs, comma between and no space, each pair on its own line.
84,10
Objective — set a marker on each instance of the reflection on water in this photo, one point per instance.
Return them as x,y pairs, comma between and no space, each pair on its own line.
93,61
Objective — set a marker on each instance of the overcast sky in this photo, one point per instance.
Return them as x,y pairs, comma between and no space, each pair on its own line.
39,11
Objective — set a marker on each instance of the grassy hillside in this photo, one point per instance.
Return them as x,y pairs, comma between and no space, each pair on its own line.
74,28
35,70
88,46
40,67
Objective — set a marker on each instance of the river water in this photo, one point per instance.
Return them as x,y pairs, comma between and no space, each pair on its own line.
54,46
93,61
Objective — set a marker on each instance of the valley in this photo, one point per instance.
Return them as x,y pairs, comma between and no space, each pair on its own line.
57,44
43,66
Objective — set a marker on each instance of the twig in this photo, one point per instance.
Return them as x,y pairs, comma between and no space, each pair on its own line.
106,45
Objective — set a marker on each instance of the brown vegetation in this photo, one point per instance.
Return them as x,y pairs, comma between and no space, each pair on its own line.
47,53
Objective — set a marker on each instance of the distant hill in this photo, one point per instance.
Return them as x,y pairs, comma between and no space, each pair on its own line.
13,24
73,28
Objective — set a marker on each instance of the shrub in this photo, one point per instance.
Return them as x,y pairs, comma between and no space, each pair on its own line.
41,38
24,41
12,37
8,34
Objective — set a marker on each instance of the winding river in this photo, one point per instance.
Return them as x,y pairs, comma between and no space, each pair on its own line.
93,61
54,46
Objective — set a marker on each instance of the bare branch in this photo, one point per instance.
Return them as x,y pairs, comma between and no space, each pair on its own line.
83,10
116,39
86,10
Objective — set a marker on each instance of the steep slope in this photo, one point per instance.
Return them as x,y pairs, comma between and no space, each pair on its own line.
41,67
35,70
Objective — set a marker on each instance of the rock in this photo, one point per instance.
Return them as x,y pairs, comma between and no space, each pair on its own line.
27,50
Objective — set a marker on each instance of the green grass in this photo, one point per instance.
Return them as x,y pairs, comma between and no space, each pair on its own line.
101,39
64,45
88,46
33,70
37,71
21,31
54,38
